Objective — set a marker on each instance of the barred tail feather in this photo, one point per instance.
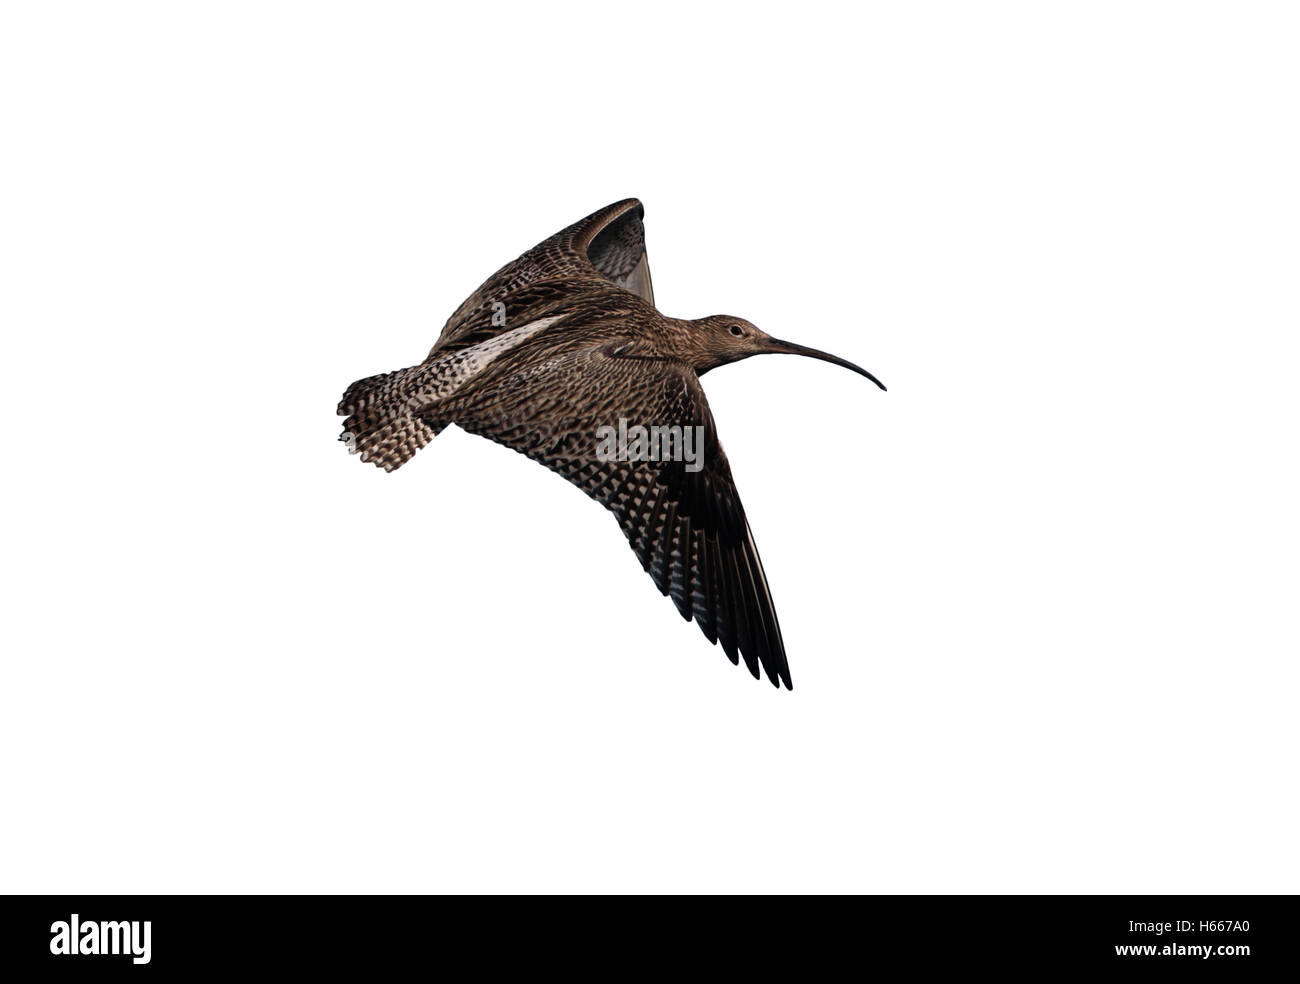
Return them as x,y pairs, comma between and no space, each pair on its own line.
381,426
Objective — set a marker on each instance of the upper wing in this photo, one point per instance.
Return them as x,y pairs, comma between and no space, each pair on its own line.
614,240
686,525
606,247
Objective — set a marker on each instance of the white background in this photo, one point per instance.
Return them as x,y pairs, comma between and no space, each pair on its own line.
1039,598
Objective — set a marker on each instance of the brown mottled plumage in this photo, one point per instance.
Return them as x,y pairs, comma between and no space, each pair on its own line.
566,340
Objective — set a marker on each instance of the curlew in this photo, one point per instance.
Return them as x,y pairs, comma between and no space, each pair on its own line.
563,356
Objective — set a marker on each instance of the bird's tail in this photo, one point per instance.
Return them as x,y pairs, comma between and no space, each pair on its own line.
382,425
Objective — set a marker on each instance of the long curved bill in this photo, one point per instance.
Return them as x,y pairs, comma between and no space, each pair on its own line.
790,348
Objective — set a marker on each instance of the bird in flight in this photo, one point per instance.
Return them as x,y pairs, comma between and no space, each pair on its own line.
559,352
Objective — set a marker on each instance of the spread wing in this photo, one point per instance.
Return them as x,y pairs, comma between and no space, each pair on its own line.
685,523
606,247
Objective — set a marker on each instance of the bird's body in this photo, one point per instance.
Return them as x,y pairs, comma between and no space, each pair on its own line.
562,343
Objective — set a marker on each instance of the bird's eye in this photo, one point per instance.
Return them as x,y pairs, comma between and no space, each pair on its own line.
737,330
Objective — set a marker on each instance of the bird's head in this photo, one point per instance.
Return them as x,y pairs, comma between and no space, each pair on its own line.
721,339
